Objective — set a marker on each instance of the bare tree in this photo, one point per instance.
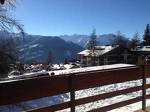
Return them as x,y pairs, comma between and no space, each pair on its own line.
8,24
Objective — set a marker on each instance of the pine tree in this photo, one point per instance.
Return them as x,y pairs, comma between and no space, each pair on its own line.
92,42
135,41
146,37
66,61
50,58
91,46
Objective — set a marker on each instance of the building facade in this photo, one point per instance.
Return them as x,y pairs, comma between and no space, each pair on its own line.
104,55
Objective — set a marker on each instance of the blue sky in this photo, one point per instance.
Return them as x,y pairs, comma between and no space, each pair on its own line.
58,17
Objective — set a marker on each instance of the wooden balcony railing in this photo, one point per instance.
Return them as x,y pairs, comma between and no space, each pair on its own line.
16,91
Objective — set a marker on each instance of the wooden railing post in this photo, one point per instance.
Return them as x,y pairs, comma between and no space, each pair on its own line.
143,88
72,93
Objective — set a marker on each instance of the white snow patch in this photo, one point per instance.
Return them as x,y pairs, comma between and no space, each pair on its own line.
143,48
33,46
100,50
87,69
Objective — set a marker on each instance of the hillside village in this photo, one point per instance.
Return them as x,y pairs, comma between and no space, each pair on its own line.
120,50
72,73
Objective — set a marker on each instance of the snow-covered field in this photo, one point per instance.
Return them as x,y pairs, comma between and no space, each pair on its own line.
87,92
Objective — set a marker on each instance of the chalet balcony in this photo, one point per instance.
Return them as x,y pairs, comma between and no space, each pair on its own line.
31,88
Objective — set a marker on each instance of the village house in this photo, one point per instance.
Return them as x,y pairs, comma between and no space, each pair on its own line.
143,54
104,55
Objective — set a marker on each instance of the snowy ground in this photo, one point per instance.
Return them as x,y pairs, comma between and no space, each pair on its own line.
85,93
68,71
94,68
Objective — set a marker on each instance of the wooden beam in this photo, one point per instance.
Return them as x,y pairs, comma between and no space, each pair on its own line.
117,105
106,95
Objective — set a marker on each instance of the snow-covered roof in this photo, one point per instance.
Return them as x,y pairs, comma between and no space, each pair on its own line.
100,50
143,48
84,52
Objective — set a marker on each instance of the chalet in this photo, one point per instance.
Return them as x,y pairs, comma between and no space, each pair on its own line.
104,55
143,54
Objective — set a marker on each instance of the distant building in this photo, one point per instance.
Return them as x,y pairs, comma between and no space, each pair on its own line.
143,54
104,55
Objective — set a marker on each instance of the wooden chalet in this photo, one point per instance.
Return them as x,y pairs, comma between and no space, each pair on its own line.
105,55
143,54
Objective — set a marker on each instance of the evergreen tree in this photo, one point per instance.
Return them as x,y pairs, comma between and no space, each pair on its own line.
91,46
146,37
135,41
50,58
66,61
92,42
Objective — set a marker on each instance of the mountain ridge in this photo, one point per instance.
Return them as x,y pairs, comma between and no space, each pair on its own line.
81,40
36,47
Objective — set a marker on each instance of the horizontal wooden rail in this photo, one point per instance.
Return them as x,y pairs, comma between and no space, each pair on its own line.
95,79
34,88
117,105
106,95
24,90
51,108
147,86
88,99
148,96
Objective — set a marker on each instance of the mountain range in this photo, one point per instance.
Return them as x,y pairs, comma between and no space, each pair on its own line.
36,47
82,40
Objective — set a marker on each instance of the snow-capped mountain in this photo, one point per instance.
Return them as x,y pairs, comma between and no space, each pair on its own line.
82,40
36,48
